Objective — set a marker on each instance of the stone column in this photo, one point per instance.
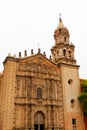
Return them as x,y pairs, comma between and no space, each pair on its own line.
26,116
32,118
49,118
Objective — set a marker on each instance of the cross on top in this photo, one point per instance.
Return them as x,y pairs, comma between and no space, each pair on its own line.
60,15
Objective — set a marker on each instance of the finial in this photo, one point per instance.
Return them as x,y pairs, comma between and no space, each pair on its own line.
44,53
60,17
15,56
19,54
39,50
9,54
50,57
32,52
25,53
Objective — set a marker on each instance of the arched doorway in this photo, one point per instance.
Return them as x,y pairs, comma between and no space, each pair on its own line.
39,121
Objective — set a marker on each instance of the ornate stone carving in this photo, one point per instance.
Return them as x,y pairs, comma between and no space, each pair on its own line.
36,67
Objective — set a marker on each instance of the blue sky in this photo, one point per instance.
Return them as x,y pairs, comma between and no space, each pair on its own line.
27,24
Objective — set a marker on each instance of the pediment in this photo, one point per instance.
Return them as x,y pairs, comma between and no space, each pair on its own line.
37,63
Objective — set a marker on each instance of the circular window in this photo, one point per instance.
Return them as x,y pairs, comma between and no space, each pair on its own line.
70,81
72,101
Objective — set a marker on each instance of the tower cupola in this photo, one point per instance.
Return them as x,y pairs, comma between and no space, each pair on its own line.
61,34
63,50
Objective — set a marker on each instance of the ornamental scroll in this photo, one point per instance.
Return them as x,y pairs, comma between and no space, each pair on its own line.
35,67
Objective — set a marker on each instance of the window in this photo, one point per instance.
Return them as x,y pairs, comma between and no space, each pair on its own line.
73,121
72,101
65,39
39,93
57,53
69,53
54,54
70,81
60,30
64,52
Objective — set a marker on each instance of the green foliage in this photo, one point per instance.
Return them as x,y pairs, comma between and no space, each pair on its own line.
84,86
83,97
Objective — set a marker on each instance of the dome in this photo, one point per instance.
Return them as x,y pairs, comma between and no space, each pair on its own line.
61,30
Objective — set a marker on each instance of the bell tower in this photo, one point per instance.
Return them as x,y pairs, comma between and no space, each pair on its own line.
63,57
63,50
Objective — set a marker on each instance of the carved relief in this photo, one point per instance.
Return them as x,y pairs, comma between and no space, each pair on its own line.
36,67
39,118
23,88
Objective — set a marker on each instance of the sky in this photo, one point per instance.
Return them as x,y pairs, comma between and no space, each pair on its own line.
30,24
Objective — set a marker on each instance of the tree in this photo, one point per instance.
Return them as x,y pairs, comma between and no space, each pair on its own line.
83,96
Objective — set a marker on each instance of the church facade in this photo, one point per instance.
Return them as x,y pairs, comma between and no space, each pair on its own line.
37,93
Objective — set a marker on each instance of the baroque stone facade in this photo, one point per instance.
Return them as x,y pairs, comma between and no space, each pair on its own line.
37,93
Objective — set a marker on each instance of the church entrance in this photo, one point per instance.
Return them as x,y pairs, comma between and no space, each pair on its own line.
39,121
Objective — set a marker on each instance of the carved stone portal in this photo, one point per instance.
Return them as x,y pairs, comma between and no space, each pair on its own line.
39,121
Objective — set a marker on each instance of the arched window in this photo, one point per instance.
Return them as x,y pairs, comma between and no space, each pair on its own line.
64,52
60,30
57,53
65,39
69,53
54,54
39,93
39,121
